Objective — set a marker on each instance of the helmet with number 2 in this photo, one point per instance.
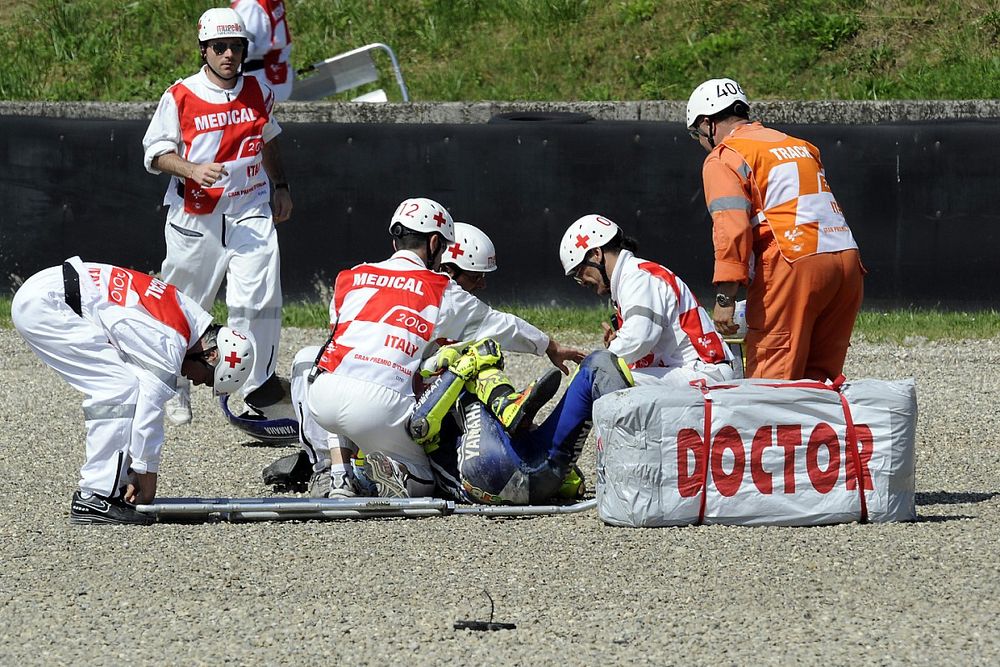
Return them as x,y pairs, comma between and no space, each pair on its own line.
235,361
425,216
711,97
590,231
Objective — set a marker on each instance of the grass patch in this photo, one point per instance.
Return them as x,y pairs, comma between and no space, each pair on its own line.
902,326
906,325
118,50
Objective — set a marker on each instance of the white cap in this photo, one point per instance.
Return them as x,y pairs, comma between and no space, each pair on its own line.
590,231
740,318
713,96
235,361
425,216
219,23
472,250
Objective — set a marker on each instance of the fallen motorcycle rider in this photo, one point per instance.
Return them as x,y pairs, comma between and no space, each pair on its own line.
482,448
484,454
478,433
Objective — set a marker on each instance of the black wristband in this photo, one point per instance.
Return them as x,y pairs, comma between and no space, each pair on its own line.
282,186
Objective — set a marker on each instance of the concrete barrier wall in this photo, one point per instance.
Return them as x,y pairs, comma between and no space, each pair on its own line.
915,179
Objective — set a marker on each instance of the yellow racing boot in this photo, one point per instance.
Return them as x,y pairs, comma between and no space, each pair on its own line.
574,486
514,408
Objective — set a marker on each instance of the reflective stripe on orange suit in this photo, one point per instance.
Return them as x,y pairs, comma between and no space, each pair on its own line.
777,226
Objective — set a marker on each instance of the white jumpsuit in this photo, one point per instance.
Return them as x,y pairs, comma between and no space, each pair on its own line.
270,44
124,353
664,335
383,317
234,238
313,438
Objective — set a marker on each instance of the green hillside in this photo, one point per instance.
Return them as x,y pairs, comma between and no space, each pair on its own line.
117,50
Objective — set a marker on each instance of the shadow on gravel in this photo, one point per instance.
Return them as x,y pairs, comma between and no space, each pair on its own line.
258,444
953,498
943,518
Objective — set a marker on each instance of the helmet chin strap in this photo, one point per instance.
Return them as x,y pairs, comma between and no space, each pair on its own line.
711,133
600,267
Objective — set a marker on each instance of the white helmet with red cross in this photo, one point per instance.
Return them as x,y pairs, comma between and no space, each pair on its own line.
711,97
590,231
472,250
425,216
220,23
235,362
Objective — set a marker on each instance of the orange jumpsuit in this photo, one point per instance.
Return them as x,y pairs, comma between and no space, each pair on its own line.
777,226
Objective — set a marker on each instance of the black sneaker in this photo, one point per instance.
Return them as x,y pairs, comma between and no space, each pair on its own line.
98,509
289,473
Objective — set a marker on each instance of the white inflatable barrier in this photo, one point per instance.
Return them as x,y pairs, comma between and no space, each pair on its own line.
779,453
271,509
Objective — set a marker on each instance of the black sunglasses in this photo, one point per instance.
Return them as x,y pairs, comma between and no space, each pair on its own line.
202,357
222,47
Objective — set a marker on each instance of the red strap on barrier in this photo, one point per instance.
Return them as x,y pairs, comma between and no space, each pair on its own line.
703,386
852,451
851,444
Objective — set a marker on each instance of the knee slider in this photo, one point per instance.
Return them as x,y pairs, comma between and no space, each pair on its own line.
624,369
424,423
610,372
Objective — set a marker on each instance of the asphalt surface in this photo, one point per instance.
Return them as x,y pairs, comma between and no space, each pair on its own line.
388,591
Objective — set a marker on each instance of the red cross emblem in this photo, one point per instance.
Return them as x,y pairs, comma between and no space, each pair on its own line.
232,359
581,241
456,250
439,219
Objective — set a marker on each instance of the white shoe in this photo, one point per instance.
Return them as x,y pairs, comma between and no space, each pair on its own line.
343,485
320,484
388,476
178,409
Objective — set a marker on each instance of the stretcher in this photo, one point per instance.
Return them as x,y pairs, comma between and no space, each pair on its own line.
277,509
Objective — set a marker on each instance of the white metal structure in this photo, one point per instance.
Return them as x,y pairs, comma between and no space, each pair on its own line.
270,509
344,72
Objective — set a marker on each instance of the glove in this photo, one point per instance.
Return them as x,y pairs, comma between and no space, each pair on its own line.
445,357
478,357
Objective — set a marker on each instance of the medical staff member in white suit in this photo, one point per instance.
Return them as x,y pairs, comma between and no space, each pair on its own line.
467,260
122,338
661,332
215,134
270,44
382,317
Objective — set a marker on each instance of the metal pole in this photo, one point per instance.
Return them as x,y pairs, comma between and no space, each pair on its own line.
272,509
395,69
357,506
525,510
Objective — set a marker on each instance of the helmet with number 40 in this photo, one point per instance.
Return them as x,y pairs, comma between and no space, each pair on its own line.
711,97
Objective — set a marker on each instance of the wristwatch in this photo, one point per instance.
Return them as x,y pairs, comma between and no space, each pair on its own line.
723,300
282,186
